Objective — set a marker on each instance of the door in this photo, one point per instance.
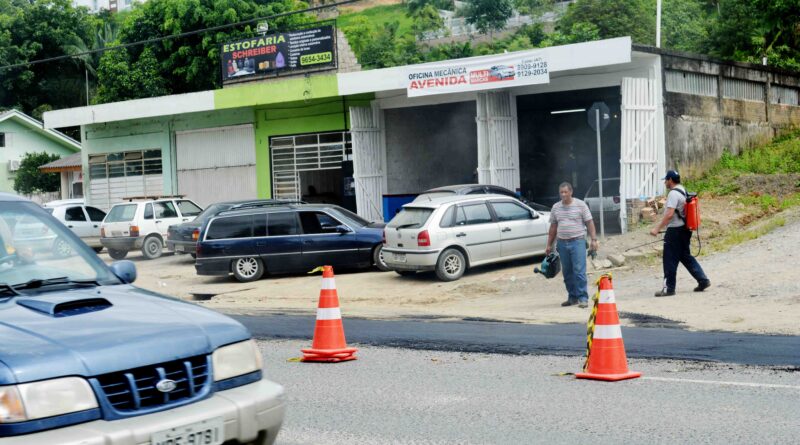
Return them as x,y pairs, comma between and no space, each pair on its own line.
369,162
230,237
522,231
281,250
478,231
76,220
323,244
165,215
188,209
96,217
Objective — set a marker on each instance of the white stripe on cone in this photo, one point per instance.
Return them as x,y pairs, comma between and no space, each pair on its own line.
328,283
329,313
607,332
607,296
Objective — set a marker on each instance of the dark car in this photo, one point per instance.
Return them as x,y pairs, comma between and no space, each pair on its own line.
288,238
183,238
87,358
477,189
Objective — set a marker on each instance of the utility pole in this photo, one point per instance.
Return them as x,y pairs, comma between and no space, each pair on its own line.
86,72
658,24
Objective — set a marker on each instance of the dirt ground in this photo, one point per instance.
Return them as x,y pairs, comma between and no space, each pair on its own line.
755,288
366,4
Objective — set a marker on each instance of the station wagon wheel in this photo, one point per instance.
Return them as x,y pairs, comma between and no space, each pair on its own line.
152,247
451,265
248,269
61,248
378,259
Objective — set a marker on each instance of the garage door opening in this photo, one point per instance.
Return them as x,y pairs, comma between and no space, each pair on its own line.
557,144
313,168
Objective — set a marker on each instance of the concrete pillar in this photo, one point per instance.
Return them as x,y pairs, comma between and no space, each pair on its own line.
66,187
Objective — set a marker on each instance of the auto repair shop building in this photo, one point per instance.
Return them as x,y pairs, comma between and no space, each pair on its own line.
518,120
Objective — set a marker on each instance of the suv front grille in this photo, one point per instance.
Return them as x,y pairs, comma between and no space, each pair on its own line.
135,389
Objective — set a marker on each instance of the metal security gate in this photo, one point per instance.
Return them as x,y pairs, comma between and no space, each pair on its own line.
369,160
640,144
498,140
302,153
217,164
115,176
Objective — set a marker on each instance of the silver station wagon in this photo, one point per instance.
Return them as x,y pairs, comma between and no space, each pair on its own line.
453,233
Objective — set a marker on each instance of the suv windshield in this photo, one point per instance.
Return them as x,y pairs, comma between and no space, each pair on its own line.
410,218
121,213
35,246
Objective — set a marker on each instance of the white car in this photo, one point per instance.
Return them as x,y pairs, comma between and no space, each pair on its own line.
453,233
144,225
83,220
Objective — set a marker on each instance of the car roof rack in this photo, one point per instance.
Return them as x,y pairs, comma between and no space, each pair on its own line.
149,197
265,203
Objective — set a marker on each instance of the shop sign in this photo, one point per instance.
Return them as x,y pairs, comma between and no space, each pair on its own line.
502,71
274,54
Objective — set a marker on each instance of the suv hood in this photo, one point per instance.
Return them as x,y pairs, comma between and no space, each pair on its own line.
139,328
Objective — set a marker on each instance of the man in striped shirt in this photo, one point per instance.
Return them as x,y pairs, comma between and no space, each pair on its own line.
569,220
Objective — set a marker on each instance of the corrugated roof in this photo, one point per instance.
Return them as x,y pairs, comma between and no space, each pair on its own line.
71,162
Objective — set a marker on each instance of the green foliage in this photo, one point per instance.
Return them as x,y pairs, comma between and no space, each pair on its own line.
613,18
30,180
122,80
533,7
488,15
414,6
426,19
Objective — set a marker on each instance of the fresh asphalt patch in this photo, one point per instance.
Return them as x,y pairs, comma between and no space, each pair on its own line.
527,339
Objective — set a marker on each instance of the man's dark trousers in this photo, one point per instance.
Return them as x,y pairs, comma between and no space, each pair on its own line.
677,250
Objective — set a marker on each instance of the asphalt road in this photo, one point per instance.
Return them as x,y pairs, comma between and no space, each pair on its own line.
559,339
404,396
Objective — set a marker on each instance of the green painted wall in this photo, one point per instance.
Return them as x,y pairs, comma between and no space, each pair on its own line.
314,116
154,134
275,91
21,139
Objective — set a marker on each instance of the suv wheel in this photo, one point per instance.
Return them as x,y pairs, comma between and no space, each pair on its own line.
61,248
152,247
377,259
248,269
117,254
451,265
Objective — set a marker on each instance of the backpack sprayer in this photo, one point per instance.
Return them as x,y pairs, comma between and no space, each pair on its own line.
691,215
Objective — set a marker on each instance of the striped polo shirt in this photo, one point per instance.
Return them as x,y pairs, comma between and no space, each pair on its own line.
571,219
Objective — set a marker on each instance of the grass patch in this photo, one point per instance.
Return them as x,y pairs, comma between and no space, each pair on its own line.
737,237
379,16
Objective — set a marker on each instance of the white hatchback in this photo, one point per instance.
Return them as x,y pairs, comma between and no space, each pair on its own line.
451,234
83,220
143,225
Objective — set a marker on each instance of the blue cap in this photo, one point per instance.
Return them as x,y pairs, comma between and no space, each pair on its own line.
673,175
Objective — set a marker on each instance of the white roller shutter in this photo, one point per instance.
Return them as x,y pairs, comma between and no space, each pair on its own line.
369,155
217,164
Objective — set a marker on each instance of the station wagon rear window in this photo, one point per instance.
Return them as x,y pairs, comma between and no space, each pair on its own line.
231,228
411,218
121,213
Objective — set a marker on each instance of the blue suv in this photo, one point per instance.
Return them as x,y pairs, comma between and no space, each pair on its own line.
87,358
250,241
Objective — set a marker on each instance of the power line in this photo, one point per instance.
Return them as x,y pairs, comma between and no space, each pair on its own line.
178,36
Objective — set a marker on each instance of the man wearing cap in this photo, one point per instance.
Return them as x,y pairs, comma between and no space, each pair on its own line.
677,238
569,220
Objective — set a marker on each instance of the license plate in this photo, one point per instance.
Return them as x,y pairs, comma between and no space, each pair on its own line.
399,257
116,233
207,432
179,248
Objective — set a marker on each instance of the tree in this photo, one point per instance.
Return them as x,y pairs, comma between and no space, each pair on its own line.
612,18
425,20
685,25
30,179
122,80
489,15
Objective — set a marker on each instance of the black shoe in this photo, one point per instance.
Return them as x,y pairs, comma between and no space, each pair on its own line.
569,303
703,286
665,293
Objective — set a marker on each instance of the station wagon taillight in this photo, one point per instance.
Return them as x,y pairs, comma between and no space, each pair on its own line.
134,231
196,235
423,239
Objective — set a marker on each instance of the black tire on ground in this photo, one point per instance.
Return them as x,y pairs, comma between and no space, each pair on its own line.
377,259
152,247
97,249
405,273
61,248
247,269
194,255
117,254
451,265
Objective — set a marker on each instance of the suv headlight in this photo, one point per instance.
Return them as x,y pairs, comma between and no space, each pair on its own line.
48,398
235,360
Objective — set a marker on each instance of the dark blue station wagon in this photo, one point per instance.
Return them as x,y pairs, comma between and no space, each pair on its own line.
286,239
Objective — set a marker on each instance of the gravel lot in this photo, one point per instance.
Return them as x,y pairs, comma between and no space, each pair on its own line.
397,396
755,289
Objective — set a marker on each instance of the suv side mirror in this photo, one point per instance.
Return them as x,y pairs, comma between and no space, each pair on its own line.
124,270
343,229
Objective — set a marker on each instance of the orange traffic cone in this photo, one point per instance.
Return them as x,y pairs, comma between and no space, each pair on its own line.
329,344
606,357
